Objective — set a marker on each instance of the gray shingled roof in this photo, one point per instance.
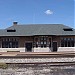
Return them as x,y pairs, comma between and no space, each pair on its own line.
37,29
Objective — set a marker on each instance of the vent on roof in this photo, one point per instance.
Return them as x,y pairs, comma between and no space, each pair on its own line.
68,29
10,30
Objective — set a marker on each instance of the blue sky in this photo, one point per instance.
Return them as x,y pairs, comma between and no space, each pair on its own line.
37,12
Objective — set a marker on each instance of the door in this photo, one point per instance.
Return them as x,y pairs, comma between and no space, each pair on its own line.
54,46
28,47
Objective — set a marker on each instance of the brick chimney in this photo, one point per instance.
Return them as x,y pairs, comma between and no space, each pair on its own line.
15,23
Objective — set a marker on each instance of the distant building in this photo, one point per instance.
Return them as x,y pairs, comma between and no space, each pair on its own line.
37,37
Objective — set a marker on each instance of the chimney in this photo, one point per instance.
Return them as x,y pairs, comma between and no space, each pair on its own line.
15,23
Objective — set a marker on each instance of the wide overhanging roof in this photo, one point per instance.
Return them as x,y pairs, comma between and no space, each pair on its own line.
36,29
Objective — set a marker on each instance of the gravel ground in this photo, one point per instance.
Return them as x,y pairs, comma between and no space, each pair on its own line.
22,69
28,60
39,70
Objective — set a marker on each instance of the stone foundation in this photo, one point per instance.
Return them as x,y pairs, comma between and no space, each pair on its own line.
65,49
47,49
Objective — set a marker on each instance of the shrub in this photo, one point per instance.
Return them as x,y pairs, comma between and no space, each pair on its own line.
3,65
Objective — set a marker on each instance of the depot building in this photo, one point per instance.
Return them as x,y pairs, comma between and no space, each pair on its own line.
37,38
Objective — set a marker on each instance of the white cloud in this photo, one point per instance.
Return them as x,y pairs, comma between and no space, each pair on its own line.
48,12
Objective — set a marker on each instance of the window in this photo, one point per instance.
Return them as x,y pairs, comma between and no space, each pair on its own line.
43,41
9,43
11,30
72,42
36,43
68,29
67,42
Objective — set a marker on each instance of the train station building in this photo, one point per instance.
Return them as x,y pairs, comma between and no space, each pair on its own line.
37,38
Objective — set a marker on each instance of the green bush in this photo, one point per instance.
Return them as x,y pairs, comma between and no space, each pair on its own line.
3,65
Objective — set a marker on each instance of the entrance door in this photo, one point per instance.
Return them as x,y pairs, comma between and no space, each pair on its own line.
28,47
54,46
